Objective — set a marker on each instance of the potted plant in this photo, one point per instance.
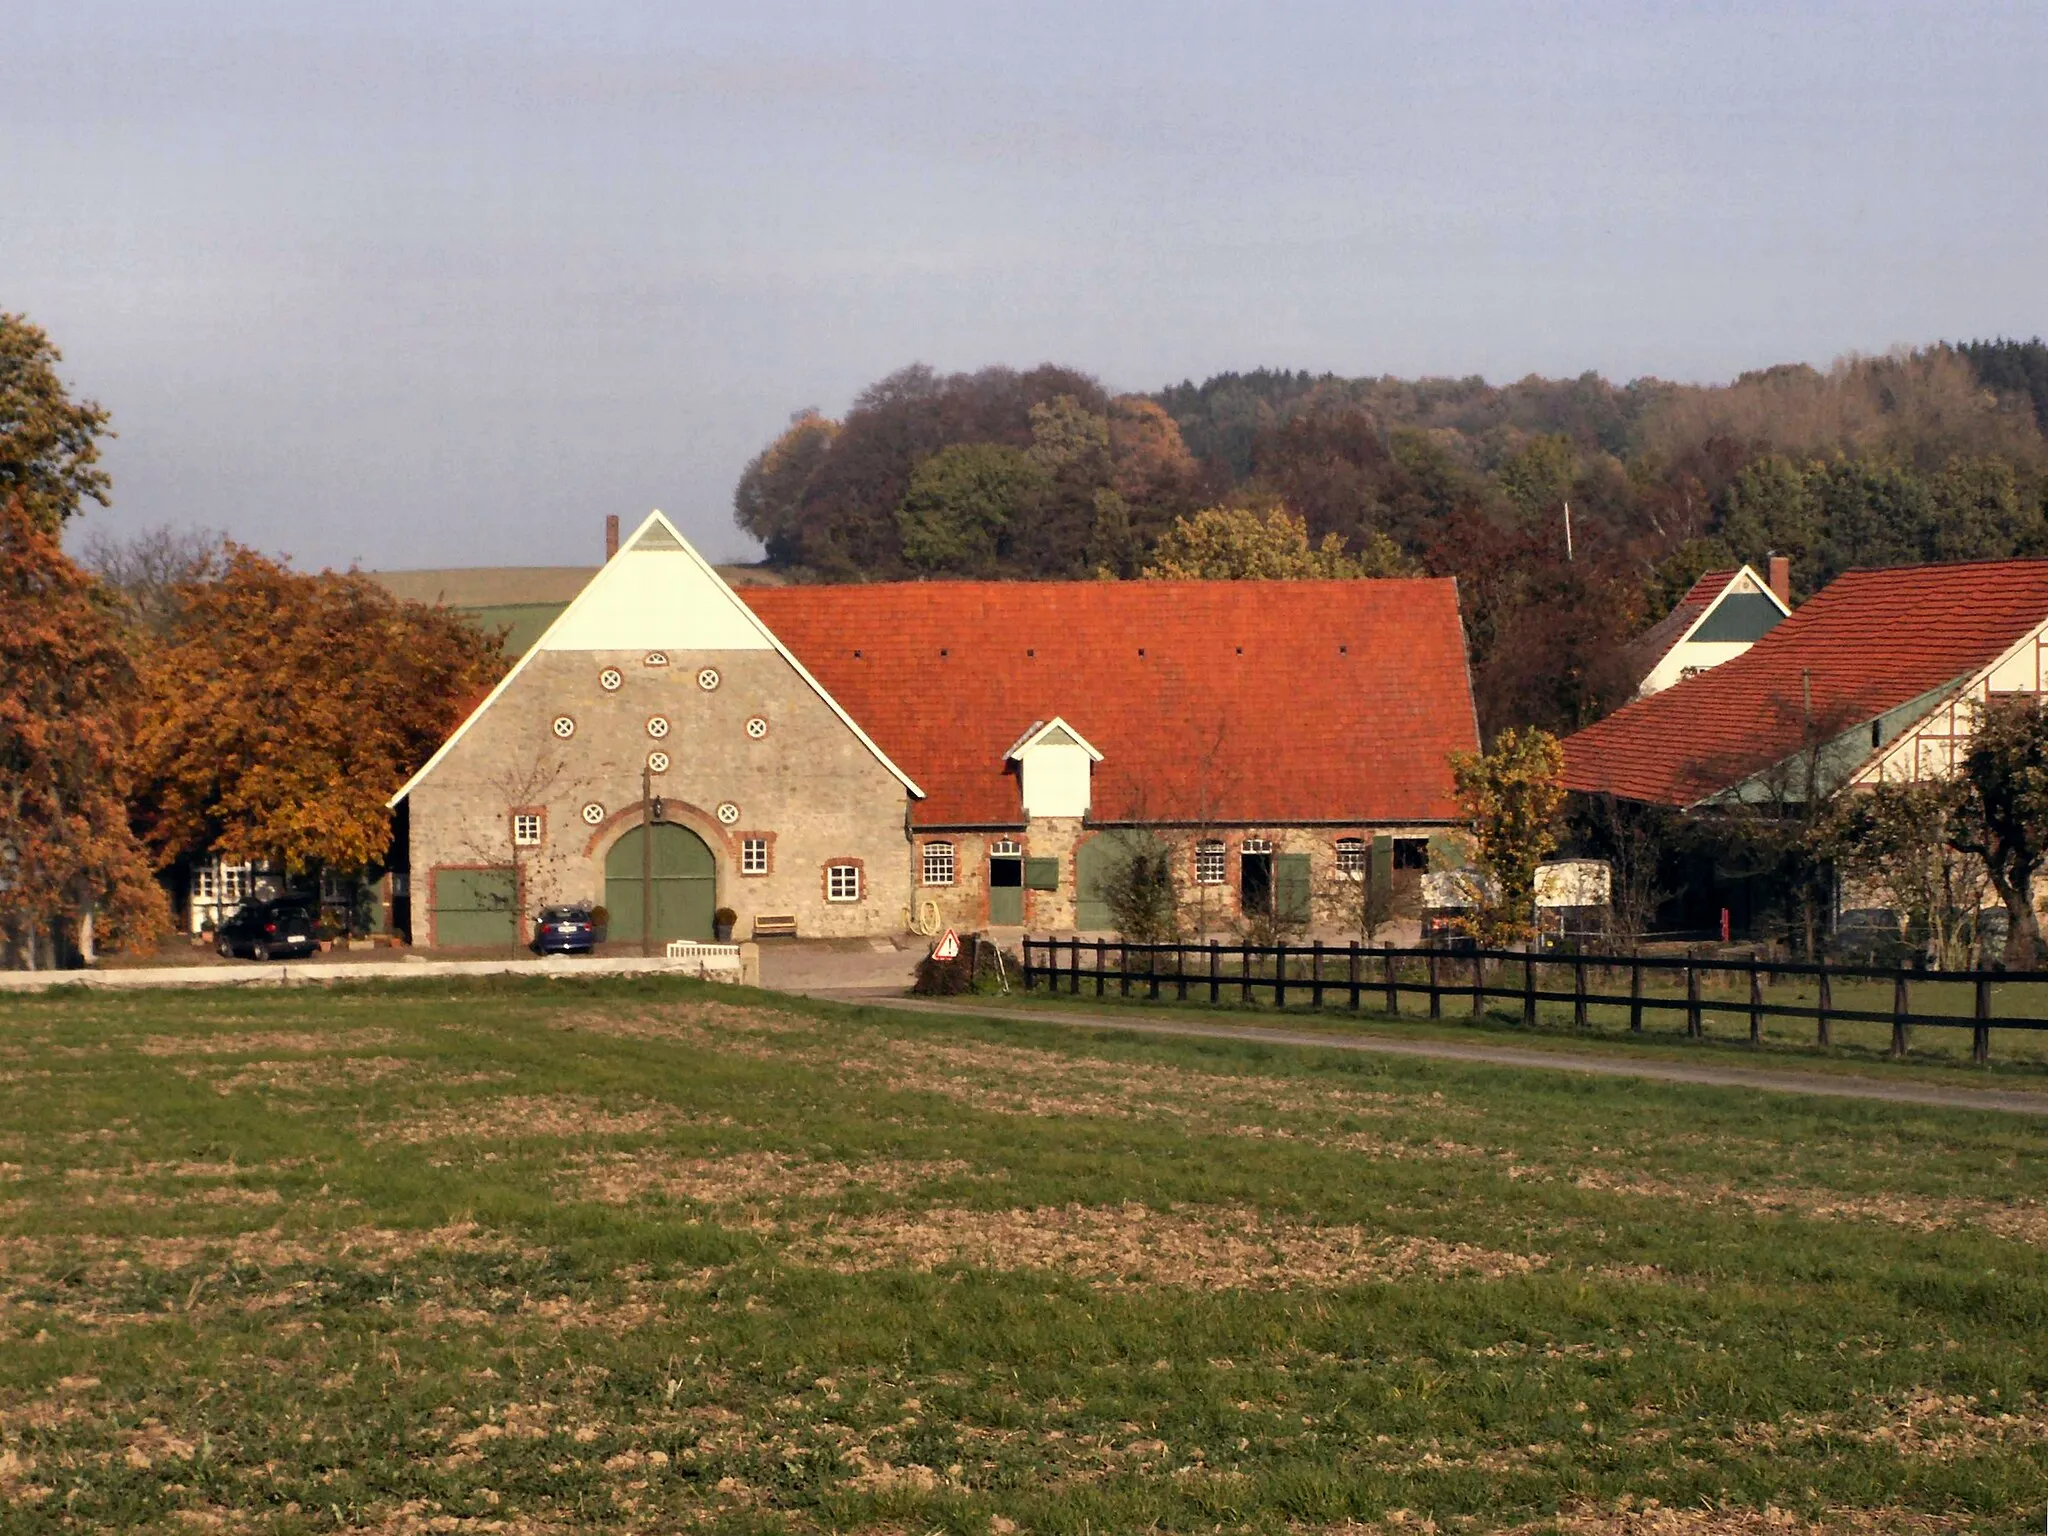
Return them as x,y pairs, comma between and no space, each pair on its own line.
722,924
208,930
600,923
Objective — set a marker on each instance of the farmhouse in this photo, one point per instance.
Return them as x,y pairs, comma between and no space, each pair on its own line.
1871,680
1723,615
844,761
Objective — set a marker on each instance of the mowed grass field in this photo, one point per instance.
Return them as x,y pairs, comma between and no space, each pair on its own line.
652,1256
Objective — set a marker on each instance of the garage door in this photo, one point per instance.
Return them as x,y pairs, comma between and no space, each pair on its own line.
685,884
475,908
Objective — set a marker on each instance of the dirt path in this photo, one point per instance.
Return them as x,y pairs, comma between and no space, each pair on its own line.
1706,1074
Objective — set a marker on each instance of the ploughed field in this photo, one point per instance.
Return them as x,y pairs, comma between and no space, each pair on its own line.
638,1255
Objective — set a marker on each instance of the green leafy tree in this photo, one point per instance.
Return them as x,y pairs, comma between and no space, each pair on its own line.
1243,544
1875,514
1141,888
1977,512
963,505
1769,510
1538,478
49,443
2003,816
1898,842
1511,796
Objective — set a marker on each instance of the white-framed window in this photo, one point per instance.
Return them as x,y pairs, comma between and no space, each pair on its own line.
753,855
656,659
938,863
1209,863
1351,857
205,883
237,881
526,829
842,882
1258,845
1005,848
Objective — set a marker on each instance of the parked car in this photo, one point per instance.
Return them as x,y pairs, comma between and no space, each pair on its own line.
277,929
1870,936
572,930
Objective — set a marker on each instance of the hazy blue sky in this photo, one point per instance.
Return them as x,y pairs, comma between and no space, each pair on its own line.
444,283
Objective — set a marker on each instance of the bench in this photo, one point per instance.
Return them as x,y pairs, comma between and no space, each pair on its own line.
775,927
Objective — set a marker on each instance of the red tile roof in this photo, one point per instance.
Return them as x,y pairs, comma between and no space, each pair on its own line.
1245,702
1869,642
1655,643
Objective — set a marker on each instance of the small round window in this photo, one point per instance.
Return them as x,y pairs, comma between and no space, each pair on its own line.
757,727
657,762
610,679
593,813
708,679
564,727
657,727
728,813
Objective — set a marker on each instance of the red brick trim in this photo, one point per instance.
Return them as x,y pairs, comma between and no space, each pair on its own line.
825,882
700,821
739,842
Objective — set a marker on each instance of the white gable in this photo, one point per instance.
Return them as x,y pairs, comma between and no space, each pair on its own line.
656,594
1055,763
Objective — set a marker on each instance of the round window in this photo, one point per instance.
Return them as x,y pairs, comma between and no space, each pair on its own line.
656,659
657,762
609,679
593,813
757,728
657,727
564,727
708,679
729,813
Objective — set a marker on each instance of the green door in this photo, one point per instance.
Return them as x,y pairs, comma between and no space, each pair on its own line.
1092,861
1005,890
1291,888
685,885
475,908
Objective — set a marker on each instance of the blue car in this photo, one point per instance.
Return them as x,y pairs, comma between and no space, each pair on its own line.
570,930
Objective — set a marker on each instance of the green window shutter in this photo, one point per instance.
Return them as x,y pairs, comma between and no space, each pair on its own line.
1382,862
1042,874
1447,851
1291,887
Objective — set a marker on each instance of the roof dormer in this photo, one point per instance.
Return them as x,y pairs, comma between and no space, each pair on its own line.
1055,763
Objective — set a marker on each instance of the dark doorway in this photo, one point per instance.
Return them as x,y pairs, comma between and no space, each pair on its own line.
1255,882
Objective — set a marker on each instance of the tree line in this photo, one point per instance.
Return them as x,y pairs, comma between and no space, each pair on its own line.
181,697
1574,512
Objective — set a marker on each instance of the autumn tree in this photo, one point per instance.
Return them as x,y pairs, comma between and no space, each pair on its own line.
49,443
67,688
1245,544
284,709
1511,796
2003,815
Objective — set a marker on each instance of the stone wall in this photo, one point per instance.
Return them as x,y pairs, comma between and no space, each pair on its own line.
799,779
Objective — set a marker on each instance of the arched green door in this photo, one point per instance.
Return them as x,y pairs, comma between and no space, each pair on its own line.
685,884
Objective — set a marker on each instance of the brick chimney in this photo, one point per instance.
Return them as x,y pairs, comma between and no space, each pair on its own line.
1780,578
611,538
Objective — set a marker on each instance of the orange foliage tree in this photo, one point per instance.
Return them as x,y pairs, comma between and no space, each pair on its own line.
284,709
67,689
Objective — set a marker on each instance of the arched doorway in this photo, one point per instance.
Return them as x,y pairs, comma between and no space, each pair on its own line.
685,884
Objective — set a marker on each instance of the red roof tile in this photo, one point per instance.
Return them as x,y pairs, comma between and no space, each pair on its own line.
1869,642
1243,702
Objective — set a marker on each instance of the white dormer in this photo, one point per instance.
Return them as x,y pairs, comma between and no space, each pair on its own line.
1055,764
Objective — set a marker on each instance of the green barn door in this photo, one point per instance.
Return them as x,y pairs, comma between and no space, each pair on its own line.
1291,888
475,908
1005,890
1092,861
685,885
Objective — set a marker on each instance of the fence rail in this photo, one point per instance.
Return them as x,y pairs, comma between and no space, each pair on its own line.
1388,973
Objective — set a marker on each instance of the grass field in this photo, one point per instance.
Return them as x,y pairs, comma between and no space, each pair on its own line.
640,1255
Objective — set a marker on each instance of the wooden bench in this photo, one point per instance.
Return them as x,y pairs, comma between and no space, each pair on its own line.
775,927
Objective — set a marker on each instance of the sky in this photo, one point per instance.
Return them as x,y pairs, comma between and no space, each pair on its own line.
417,285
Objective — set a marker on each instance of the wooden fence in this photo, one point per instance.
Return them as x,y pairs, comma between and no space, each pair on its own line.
1319,974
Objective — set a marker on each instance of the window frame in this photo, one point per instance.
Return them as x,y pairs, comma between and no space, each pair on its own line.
934,853
752,844
539,824
1212,862
1354,857
844,882
1401,862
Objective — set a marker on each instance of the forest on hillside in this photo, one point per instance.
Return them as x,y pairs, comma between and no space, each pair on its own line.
1936,454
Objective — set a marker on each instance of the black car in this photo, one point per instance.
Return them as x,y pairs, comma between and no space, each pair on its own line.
270,930
572,930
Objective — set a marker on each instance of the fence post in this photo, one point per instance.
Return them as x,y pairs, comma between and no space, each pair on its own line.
1980,1037
1152,972
1123,967
1393,991
1529,987
1074,967
1026,947
1180,971
1244,973
1693,1027
1902,1004
1826,1003
1354,975
1315,984
1215,972
1478,984
1436,996
1279,973
1578,991
1101,963
1635,994
1756,1003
